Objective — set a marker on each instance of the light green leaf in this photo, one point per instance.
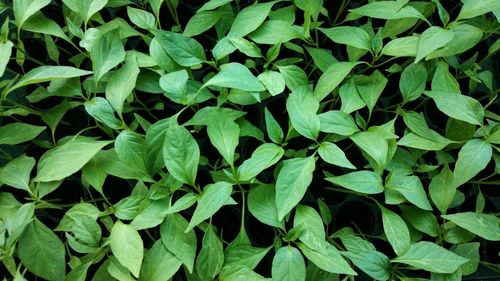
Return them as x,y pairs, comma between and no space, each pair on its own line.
237,76
421,220
126,245
294,76
86,9
442,190
23,9
16,133
395,230
332,154
472,8
68,158
244,255
16,173
458,106
5,51
201,22
361,181
432,39
101,110
273,81
48,73
431,257
330,261
240,273
262,205
302,107
39,23
181,153
473,157
352,36
443,80
212,4
182,245
141,18
293,180
159,264
374,144
213,197
211,257
248,48
273,32
469,251
121,83
183,50
186,201
249,19
288,265
262,158
106,53
153,151
224,135
129,147
412,82
410,187
41,252
331,78
371,87
484,225
402,47
388,10
273,128
311,224
337,122
466,37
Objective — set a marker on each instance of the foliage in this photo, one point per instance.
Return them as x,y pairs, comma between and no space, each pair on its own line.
249,140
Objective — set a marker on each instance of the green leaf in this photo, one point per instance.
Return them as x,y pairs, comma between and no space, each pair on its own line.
224,135
127,247
41,251
412,82
181,153
48,73
473,157
129,147
302,107
213,197
352,36
240,273
442,190
262,205
288,265
361,181
102,111
23,9
212,4
183,50
337,122
244,255
186,201
395,230
273,32
273,81
370,87
293,180
374,144
141,18
237,76
273,128
431,257
443,80
472,8
249,19
106,53
471,252
388,10
332,154
466,37
331,78
458,106
121,83
211,257
421,220
16,133
246,47
201,22
262,158
402,47
330,261
410,187
432,39
17,172
294,76
182,245
373,263
86,9
5,51
68,158
484,225
311,224
159,264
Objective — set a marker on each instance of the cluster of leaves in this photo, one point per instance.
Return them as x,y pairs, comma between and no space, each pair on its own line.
248,140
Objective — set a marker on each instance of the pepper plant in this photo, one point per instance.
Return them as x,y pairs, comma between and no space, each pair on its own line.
249,140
